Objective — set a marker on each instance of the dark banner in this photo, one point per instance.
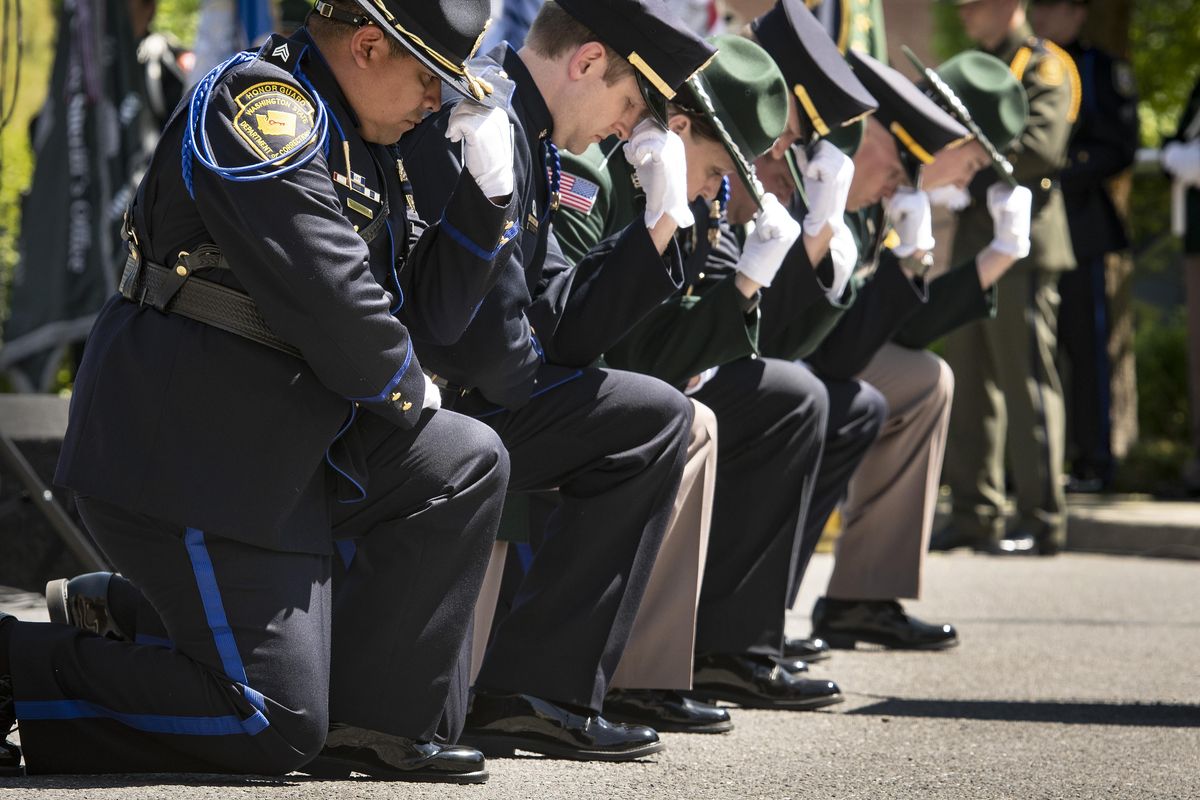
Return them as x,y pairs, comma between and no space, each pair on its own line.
90,141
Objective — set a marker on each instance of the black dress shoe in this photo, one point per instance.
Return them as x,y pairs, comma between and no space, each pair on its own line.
10,754
845,623
501,724
665,710
793,665
754,681
82,601
810,649
952,538
1015,543
394,758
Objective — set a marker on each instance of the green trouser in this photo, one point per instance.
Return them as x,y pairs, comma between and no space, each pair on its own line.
1007,393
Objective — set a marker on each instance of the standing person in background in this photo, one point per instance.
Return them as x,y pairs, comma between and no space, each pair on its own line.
1181,158
1102,146
1008,398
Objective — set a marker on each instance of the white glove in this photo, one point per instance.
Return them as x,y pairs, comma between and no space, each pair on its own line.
950,196
487,140
659,158
433,396
827,178
844,253
774,234
1182,159
1011,210
912,219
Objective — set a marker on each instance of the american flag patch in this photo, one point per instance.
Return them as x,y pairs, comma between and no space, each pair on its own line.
577,193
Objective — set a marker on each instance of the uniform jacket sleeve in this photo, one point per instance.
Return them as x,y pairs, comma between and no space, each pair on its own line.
955,299
582,310
882,306
497,352
796,313
1041,149
456,261
306,268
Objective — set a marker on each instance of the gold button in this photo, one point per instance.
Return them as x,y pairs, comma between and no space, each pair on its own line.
181,271
356,229
700,277
1046,184
396,396
407,405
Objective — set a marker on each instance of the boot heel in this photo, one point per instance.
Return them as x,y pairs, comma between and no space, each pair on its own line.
56,601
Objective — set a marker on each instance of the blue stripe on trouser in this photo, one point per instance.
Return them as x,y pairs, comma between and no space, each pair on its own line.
214,612
30,710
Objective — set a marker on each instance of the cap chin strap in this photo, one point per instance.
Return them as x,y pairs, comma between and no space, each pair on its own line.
327,11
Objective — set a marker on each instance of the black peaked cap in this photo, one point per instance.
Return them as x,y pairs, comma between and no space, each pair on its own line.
443,34
920,125
827,92
662,49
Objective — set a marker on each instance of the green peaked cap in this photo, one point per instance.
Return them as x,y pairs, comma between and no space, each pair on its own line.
743,94
991,93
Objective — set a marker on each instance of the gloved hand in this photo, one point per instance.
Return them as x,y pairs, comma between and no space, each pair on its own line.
827,178
1011,210
843,251
912,219
487,140
658,157
1182,159
774,234
952,197
433,396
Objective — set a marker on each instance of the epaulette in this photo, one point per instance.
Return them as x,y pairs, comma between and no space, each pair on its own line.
1056,67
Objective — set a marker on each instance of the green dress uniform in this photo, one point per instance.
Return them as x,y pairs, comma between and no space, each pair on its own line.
1008,390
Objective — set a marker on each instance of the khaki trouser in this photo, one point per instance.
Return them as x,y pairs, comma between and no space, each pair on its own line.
660,649
1009,401
888,514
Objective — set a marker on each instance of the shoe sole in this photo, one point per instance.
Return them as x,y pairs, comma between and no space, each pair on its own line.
56,601
506,746
672,727
850,642
750,701
339,769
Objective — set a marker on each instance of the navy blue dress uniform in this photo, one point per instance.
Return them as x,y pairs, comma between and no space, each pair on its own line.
216,461
771,414
1102,146
612,443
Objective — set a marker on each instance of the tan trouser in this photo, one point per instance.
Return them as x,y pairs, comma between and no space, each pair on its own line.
660,648
889,508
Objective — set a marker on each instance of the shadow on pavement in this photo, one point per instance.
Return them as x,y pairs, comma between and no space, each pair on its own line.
151,779
1150,715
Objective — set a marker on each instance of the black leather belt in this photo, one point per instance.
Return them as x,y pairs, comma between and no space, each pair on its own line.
176,291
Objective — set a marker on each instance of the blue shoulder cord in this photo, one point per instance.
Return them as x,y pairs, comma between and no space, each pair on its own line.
554,173
198,148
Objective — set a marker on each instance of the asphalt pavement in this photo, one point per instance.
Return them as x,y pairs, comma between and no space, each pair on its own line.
1077,677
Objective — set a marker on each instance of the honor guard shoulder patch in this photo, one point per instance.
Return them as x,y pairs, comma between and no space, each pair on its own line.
274,118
